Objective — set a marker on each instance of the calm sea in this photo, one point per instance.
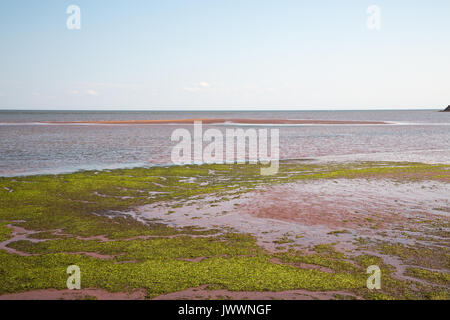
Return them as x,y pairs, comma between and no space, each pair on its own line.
28,146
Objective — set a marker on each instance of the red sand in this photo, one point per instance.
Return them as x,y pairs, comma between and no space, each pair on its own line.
66,294
202,293
219,120
191,294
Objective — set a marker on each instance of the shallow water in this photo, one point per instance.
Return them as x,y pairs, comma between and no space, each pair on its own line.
30,146
310,211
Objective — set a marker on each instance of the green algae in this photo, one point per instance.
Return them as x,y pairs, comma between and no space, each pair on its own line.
324,260
5,231
432,276
145,249
164,276
429,257
84,204
337,232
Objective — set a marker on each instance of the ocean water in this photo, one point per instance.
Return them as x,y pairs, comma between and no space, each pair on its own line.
28,145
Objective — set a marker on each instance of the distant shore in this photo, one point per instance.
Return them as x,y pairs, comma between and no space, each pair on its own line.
221,120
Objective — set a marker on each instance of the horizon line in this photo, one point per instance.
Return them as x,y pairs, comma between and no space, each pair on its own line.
227,110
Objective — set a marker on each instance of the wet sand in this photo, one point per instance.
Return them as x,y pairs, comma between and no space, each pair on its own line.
66,294
200,293
221,120
203,293
316,212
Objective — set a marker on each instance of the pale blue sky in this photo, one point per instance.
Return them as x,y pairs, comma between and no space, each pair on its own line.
223,54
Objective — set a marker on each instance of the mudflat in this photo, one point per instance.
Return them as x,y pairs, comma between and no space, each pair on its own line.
225,231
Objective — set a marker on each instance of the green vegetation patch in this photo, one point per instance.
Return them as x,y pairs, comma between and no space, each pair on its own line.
163,259
166,275
433,276
149,249
429,257
5,231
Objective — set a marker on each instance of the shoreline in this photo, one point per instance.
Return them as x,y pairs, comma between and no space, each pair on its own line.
418,156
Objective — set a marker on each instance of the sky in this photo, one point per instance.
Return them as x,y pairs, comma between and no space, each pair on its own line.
224,54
